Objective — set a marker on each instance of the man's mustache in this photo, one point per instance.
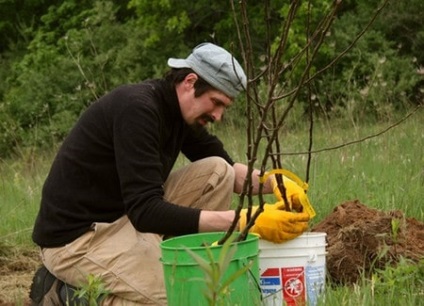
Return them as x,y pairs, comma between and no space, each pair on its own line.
208,118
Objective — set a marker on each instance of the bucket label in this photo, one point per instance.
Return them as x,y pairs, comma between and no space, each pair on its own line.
294,285
284,283
315,278
270,282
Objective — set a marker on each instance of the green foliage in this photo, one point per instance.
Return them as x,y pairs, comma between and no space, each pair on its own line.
309,15
93,292
372,79
395,224
406,275
57,58
403,23
17,18
394,285
68,68
217,288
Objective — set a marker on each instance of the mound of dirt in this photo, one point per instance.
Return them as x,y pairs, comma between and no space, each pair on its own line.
361,239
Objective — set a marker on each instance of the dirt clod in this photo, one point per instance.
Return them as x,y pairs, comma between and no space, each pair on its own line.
361,239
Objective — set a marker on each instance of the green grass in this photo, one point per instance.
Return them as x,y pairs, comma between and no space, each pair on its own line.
401,285
20,189
385,172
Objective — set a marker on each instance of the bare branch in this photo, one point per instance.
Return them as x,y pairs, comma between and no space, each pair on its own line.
349,143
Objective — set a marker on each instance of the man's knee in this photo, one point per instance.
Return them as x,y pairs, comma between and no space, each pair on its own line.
223,168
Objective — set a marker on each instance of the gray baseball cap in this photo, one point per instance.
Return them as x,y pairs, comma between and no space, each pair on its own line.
216,66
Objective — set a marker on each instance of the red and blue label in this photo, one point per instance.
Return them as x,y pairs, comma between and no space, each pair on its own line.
285,283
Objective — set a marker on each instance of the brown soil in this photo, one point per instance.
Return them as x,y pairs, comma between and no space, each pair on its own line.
361,239
17,268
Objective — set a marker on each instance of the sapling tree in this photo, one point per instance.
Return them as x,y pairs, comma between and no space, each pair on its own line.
291,64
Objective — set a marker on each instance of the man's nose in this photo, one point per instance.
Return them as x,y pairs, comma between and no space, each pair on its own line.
218,113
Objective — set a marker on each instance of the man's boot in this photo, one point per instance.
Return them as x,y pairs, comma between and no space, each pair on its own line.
45,289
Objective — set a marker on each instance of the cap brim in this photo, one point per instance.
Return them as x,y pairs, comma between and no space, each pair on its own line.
178,63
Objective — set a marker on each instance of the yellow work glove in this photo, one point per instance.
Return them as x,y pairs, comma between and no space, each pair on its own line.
276,225
295,192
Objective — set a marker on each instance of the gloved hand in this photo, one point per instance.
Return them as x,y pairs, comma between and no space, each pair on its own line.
295,190
296,195
276,225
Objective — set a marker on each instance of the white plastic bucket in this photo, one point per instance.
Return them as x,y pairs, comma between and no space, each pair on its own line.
293,272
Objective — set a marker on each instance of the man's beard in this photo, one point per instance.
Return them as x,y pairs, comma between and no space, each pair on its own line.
197,126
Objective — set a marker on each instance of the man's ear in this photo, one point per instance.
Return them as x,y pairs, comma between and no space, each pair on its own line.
190,79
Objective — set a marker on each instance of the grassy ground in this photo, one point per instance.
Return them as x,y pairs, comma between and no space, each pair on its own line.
385,172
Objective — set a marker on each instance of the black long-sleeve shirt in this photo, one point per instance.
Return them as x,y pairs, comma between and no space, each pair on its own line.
115,161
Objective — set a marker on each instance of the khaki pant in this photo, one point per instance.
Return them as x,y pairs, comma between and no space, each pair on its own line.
128,261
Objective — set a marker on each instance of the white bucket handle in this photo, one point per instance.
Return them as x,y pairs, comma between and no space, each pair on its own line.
313,256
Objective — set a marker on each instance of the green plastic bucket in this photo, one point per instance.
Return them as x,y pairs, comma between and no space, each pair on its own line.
185,279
